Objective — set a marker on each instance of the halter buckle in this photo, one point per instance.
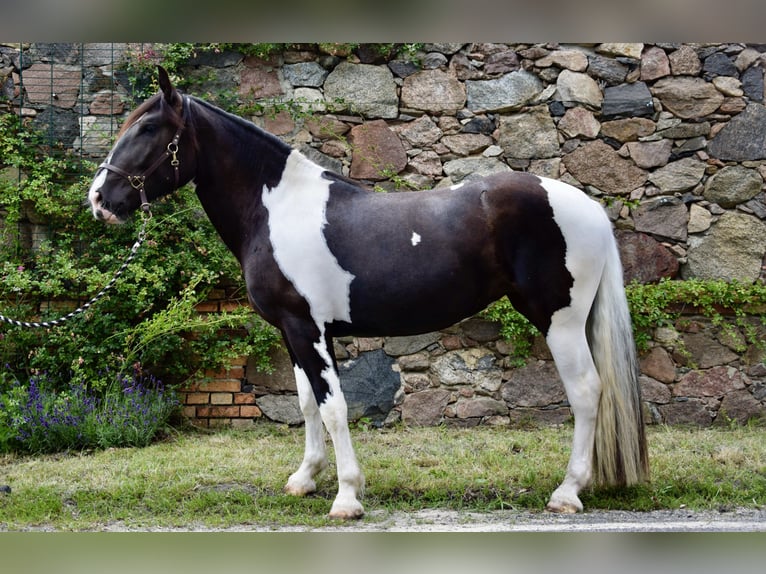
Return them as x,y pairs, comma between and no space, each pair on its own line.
137,181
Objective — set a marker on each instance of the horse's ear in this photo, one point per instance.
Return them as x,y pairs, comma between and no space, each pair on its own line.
169,92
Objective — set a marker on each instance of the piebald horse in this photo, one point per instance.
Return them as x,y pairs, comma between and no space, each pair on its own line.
323,257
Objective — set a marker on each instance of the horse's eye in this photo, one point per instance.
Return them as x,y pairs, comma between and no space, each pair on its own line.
148,129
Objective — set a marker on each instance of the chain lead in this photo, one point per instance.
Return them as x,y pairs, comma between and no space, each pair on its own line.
146,215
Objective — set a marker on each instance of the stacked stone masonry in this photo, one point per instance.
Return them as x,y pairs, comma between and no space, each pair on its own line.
672,138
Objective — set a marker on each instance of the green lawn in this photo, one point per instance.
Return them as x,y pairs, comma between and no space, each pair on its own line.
232,478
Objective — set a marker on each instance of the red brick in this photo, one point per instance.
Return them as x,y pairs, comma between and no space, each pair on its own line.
206,307
218,412
250,411
197,398
190,412
221,398
221,386
244,399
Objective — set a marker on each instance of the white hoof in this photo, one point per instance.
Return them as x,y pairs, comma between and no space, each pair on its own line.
347,509
300,486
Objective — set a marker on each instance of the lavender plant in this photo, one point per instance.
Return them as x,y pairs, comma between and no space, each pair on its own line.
36,419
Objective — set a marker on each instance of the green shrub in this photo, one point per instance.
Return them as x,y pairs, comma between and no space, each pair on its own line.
181,261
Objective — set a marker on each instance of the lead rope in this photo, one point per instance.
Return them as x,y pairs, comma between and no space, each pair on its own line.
147,215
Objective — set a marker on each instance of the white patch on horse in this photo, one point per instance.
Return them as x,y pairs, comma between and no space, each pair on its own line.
297,216
415,239
98,183
457,186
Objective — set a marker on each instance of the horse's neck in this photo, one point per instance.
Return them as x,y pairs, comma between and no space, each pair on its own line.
237,163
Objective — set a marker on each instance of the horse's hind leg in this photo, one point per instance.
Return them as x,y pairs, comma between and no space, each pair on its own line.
568,344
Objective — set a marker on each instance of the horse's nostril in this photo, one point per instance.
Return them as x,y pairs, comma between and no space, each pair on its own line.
99,214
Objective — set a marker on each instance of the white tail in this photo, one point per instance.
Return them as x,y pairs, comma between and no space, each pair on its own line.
620,454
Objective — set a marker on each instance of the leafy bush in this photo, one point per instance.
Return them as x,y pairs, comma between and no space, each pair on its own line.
74,256
38,417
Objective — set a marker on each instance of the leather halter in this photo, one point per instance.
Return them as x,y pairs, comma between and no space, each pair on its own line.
137,181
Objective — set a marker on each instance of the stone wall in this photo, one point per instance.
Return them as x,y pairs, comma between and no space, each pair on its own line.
671,136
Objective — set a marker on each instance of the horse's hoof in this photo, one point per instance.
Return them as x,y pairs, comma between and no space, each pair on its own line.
563,507
347,512
299,490
5,489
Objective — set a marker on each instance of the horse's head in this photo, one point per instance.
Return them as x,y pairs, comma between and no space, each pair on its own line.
153,156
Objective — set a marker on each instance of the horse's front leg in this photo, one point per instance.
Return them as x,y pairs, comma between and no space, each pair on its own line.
322,401
302,482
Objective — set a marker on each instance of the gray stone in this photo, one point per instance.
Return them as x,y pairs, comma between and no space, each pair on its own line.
425,408
610,70
280,380
501,62
475,367
480,330
644,259
686,130
309,74
42,80
758,205
259,79
688,97
363,89
574,60
433,91
397,346
470,168
422,132
654,64
740,406
467,144
678,176
479,407
743,138
632,100
650,154
578,121
685,62
531,135
686,411
576,87
658,364
537,384
434,60
733,248
376,151
733,185
281,408
628,129
700,219
627,49
508,92
719,64
369,384
664,216
752,83
714,382
597,164
654,391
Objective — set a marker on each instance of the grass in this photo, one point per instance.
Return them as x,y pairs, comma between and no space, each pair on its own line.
234,478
